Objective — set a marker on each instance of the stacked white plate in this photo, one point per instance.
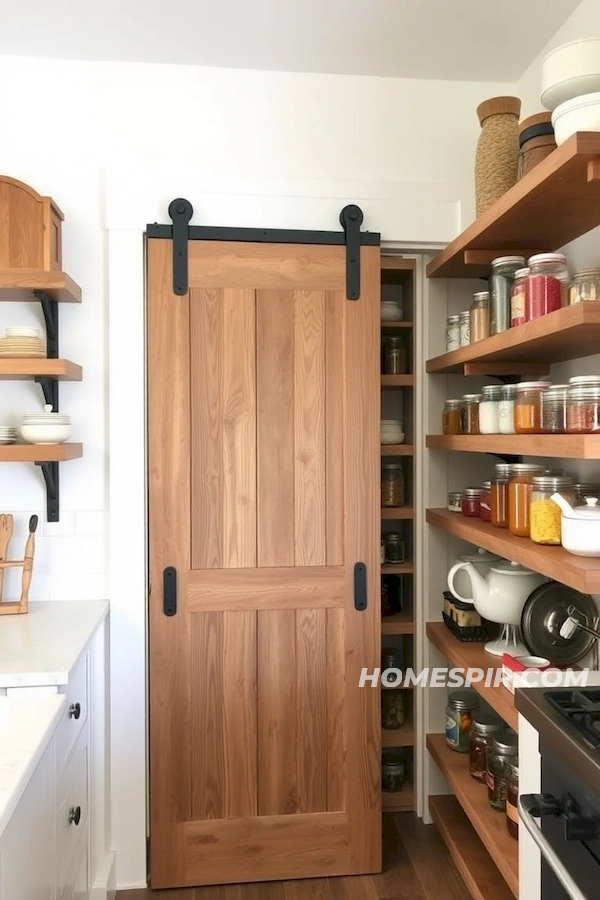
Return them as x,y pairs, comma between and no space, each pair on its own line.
8,434
46,428
22,342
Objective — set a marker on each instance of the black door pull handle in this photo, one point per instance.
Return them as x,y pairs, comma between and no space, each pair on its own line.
170,591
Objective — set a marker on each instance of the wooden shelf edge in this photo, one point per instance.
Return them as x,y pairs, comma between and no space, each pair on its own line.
479,872
59,369
19,284
40,453
489,824
403,800
400,323
572,446
406,568
397,449
397,263
397,512
401,623
397,381
579,572
398,737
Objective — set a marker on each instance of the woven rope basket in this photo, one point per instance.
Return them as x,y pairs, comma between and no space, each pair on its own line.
496,159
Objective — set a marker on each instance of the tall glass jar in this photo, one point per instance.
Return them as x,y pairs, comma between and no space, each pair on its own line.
485,726
547,286
395,357
512,800
452,333
503,753
502,278
506,409
583,409
464,322
392,484
528,406
518,297
459,719
469,414
451,417
489,410
519,497
499,496
544,514
480,316
554,409
393,712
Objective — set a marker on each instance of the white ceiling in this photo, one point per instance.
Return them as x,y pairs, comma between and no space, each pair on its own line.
488,40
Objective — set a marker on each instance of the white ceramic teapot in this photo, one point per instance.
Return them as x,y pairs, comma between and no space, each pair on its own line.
483,562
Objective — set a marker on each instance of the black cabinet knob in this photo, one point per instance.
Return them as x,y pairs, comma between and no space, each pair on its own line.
74,710
75,815
580,828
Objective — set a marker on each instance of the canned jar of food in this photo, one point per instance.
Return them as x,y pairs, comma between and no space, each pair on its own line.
489,409
519,497
554,409
451,417
471,502
469,414
503,754
393,770
455,499
547,285
585,286
583,409
506,409
392,484
480,316
464,321
499,496
452,333
504,269
395,357
459,719
544,514
528,406
485,726
518,297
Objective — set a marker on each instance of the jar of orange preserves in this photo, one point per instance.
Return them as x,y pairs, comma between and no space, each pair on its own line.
528,406
519,496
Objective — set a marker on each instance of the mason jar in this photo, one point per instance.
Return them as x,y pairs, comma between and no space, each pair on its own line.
451,417
459,719
503,754
554,409
464,321
485,726
547,285
502,278
519,496
452,333
518,297
544,514
506,409
528,406
499,496
469,414
489,410
480,316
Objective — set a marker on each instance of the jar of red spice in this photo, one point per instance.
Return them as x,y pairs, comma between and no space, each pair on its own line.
485,500
583,409
471,502
518,297
547,285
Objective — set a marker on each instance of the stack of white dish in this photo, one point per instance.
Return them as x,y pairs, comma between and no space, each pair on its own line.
391,431
571,87
22,342
8,434
46,428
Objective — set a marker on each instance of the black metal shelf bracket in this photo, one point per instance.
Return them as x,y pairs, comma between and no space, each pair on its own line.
351,218
49,388
50,311
50,471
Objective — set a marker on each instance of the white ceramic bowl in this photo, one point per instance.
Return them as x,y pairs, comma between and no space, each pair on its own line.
22,331
580,114
46,433
570,71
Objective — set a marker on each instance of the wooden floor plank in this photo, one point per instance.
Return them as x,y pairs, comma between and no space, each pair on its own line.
435,870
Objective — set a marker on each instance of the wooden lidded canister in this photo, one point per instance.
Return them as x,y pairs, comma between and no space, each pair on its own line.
536,141
497,150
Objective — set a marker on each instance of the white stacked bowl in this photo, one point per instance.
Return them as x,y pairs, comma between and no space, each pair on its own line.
46,428
571,87
391,431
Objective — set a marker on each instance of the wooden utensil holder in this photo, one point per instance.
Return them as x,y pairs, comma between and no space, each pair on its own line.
21,606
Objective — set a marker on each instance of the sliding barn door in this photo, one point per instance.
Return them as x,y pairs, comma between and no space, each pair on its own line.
263,418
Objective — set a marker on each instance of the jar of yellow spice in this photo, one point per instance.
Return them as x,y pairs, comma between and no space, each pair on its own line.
544,514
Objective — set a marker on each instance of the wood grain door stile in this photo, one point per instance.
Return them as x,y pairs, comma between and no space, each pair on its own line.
263,431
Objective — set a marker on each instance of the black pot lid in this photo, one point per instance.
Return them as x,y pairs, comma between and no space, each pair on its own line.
544,613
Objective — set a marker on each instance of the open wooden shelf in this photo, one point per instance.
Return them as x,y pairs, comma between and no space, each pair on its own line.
558,201
392,801
466,655
579,572
569,333
399,324
489,824
406,568
397,449
59,369
19,284
397,263
397,512
472,860
398,737
400,623
40,452
572,446
396,381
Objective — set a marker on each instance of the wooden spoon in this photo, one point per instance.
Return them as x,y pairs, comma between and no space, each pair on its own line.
6,529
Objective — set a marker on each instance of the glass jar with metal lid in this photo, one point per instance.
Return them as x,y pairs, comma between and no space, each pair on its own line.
471,502
395,547
585,286
518,297
392,484
459,719
583,409
519,496
480,316
485,501
451,417
585,489
455,499
485,726
503,754
393,770
489,409
395,356
502,278
469,414
554,409
544,514
584,381
528,406
464,322
499,496
452,333
506,409
547,285
512,800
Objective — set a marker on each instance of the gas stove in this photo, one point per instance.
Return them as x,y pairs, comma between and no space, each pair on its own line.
581,709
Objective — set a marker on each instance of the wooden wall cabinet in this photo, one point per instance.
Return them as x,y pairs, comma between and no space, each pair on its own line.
30,236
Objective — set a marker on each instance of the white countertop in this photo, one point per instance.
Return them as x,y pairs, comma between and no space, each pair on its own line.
42,647
26,726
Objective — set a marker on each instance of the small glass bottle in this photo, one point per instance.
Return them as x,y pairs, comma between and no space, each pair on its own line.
480,316
512,800
485,502
455,499
489,410
547,285
395,547
506,409
459,719
471,502
519,497
469,414
518,297
395,358
554,409
485,726
464,321
451,417
452,333
499,496
502,278
544,514
392,484
502,754
528,406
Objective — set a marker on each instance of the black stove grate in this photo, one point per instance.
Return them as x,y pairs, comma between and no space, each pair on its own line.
581,709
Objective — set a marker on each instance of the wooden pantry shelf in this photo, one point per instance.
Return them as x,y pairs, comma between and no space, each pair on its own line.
406,568
569,333
399,623
20,284
397,512
59,369
572,446
40,453
471,655
558,201
397,263
489,824
579,572
397,381
397,801
398,737
472,860
397,449
396,324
